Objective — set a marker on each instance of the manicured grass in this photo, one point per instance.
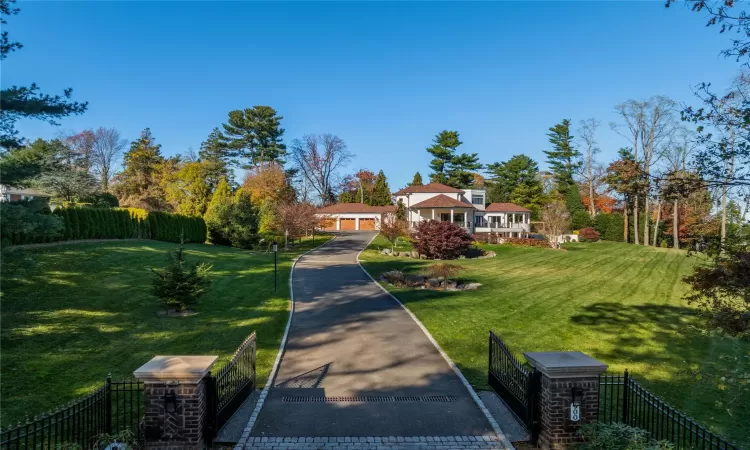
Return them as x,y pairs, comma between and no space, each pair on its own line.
74,313
619,303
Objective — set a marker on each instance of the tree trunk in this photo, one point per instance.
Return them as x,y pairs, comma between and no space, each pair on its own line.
646,217
675,226
626,225
636,241
658,219
592,207
723,214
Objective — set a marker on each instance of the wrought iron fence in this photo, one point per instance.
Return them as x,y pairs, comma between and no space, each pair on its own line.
517,385
624,400
231,386
114,407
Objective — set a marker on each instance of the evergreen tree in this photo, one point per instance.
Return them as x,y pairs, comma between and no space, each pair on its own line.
400,210
443,150
215,155
461,170
217,214
417,181
138,185
517,181
563,159
17,102
381,193
254,133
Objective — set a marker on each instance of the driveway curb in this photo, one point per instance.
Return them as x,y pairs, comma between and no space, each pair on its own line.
493,423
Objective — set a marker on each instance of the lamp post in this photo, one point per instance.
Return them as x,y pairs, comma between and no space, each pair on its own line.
275,252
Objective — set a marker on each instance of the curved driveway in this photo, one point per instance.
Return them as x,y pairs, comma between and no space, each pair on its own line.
349,339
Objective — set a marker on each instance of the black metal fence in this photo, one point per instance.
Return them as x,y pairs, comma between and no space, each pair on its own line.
231,386
624,400
517,385
113,408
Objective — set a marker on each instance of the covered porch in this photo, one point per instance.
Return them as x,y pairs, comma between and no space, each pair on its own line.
460,216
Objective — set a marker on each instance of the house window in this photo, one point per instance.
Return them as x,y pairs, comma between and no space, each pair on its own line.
477,199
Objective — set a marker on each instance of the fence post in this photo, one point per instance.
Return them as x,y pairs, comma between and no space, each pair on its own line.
625,389
568,395
175,397
108,405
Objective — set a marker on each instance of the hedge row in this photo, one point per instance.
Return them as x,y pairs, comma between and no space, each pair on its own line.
123,223
610,226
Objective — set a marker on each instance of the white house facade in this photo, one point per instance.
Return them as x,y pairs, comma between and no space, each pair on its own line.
465,207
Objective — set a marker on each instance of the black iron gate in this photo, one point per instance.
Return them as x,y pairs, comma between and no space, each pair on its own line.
226,391
517,385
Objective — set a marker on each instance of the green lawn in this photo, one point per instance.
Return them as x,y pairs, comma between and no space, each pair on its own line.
616,302
71,314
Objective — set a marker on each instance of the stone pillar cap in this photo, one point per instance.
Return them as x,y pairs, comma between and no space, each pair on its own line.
175,368
565,364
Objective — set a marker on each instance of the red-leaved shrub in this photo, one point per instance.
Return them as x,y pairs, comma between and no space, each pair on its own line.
588,234
440,240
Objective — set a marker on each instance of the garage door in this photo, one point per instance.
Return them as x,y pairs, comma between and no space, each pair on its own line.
348,224
366,224
328,224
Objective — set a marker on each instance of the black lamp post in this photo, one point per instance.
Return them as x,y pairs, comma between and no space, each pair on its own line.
275,252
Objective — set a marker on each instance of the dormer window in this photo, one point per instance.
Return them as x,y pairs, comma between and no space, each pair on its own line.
477,199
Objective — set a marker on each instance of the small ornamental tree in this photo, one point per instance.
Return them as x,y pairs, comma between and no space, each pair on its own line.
555,220
179,284
440,240
588,234
392,228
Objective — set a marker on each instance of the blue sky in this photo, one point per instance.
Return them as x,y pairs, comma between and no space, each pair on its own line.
386,77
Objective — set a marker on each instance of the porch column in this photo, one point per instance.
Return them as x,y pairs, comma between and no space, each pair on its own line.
356,223
338,223
451,215
433,213
419,215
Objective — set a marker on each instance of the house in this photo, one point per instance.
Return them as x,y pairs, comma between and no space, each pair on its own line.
465,207
352,216
13,194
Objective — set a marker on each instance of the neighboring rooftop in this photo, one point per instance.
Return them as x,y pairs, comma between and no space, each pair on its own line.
431,188
340,208
441,201
505,207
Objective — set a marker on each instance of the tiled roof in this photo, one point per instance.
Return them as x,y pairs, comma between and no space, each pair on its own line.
431,188
441,201
343,208
505,207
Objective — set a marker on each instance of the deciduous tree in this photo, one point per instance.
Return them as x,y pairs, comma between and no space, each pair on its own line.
318,158
555,221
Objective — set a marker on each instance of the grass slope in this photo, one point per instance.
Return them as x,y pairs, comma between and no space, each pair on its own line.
74,313
619,303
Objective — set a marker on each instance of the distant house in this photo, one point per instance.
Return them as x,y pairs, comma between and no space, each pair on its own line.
352,216
14,194
465,207
434,201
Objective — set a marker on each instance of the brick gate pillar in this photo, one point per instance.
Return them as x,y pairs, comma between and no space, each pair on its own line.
175,401
567,377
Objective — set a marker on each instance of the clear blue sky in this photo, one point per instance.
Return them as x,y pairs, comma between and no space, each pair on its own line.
386,77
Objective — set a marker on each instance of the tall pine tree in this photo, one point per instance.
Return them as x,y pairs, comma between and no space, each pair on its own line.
381,193
563,158
139,184
461,170
256,134
443,150
517,181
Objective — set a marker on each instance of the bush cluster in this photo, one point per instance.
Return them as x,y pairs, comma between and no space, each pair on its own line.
28,222
610,226
527,242
618,436
443,270
440,240
78,223
588,235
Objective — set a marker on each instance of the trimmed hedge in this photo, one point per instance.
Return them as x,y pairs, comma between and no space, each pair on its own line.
126,223
610,226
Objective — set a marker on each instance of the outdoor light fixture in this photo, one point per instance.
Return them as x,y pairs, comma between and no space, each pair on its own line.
170,402
575,404
275,247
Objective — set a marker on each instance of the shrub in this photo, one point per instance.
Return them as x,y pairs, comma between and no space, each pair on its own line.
617,436
440,240
588,235
526,242
610,226
178,284
443,270
28,222
580,219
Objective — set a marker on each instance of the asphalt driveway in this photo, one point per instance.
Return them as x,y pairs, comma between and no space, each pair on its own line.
349,340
